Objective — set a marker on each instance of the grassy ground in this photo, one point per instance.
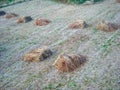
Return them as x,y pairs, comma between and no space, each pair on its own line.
101,72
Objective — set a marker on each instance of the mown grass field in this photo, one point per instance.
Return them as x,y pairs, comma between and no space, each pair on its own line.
101,72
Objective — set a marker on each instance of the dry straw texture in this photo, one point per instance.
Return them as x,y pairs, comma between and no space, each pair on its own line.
42,22
107,26
69,62
37,54
78,24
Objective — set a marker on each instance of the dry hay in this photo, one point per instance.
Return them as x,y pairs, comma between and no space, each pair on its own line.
107,26
78,24
42,22
118,1
2,13
10,15
38,54
24,19
69,62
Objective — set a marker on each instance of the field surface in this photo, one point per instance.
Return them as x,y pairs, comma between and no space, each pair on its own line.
102,70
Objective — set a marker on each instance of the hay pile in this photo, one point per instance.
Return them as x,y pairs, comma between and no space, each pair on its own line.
42,22
10,15
38,54
107,26
118,1
69,62
24,19
78,25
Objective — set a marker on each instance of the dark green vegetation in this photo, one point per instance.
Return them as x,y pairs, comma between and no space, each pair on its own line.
5,1
64,1
76,1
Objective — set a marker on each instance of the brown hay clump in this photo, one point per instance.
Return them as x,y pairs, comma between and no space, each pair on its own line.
38,54
42,22
10,15
24,19
106,26
69,62
118,1
78,24
2,13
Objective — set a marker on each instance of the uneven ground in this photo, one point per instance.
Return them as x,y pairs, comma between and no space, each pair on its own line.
101,72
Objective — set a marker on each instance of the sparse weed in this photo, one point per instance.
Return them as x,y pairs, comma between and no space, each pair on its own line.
53,86
95,30
72,84
30,78
106,46
2,48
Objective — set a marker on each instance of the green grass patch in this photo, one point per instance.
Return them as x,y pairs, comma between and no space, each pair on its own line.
72,84
106,47
31,77
5,1
95,30
2,48
54,86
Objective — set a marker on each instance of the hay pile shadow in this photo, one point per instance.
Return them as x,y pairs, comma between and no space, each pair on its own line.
2,13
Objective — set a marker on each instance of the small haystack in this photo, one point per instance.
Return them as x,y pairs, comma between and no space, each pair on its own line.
69,62
24,19
38,54
118,1
10,15
78,24
106,26
42,22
